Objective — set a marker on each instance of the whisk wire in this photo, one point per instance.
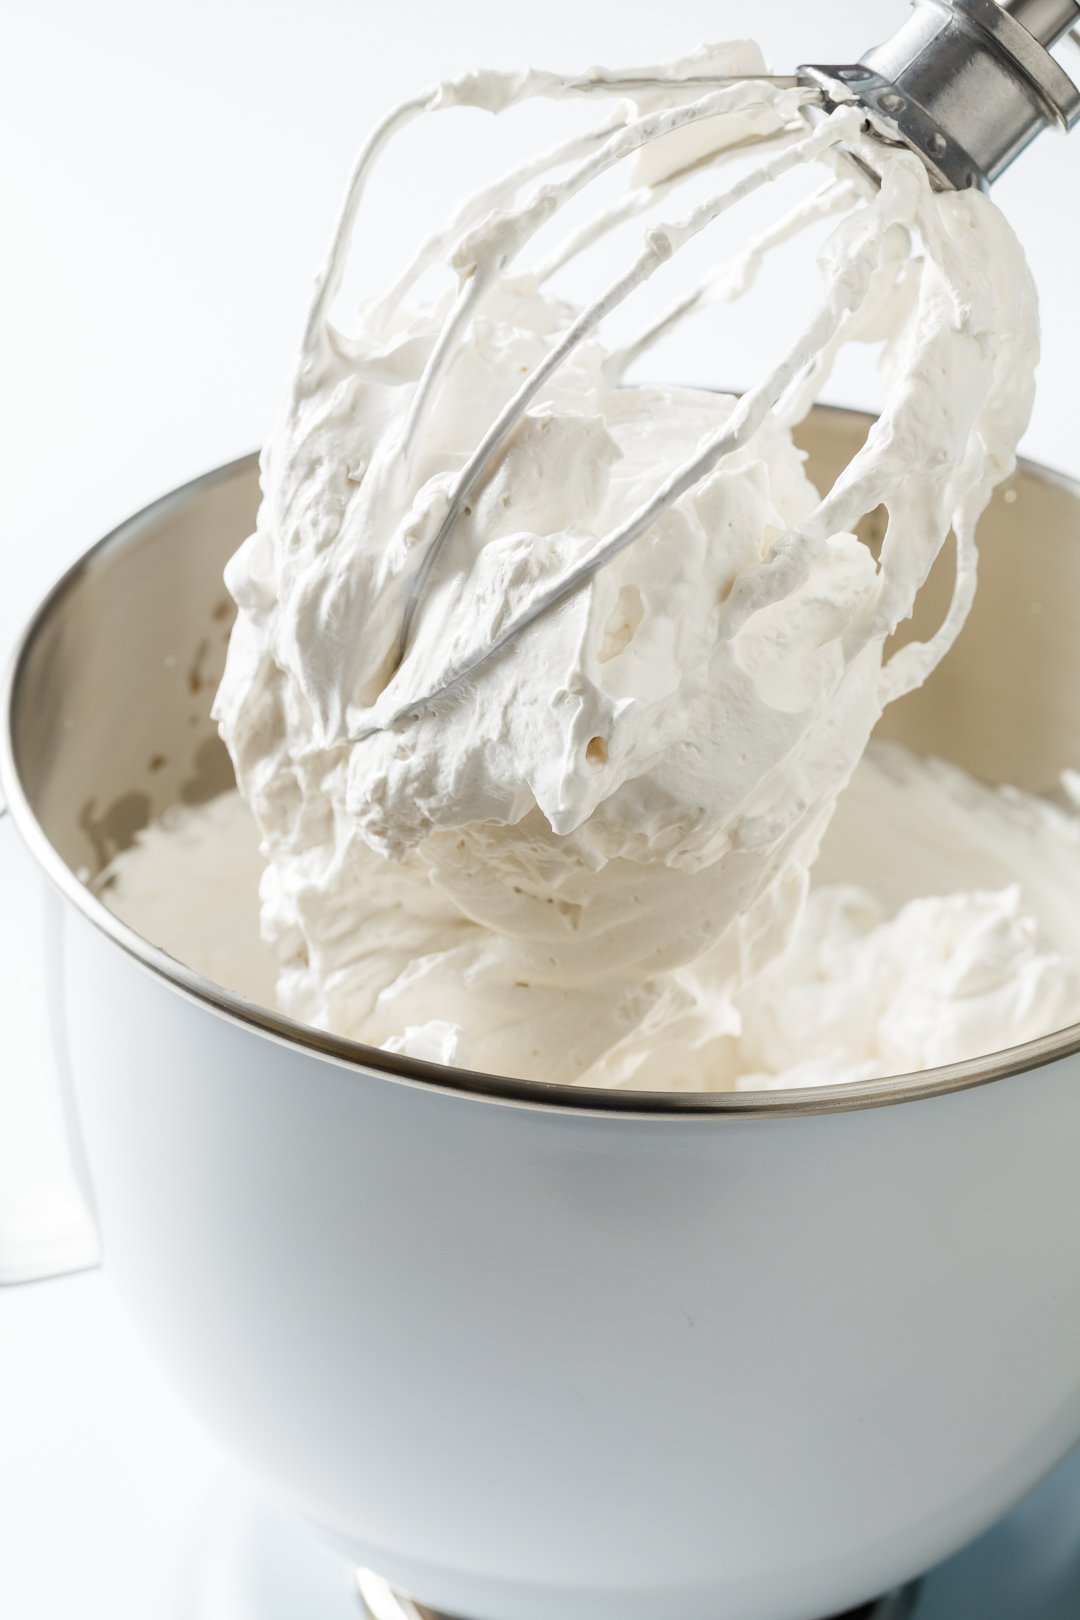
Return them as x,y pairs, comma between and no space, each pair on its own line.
510,232
661,242
746,419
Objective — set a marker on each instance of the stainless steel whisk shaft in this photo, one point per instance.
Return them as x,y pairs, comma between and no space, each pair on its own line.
968,84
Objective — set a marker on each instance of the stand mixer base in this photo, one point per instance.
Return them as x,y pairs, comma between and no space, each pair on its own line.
382,1602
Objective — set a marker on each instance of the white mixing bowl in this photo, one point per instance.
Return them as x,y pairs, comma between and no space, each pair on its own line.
538,1353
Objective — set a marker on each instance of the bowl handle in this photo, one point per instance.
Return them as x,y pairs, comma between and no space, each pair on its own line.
46,1229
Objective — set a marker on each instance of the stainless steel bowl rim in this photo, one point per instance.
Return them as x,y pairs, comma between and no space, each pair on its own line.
506,1089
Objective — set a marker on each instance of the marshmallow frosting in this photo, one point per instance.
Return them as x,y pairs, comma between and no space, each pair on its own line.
580,852
942,923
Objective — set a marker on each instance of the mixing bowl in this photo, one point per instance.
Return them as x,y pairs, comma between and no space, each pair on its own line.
534,1352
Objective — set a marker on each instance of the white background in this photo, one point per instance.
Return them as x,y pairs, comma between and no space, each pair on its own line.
169,178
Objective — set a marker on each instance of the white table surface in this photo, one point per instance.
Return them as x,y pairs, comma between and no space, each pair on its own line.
169,179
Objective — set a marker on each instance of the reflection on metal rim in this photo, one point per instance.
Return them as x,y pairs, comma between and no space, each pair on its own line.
843,1098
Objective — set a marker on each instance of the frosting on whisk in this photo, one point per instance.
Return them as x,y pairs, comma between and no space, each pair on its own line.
543,687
